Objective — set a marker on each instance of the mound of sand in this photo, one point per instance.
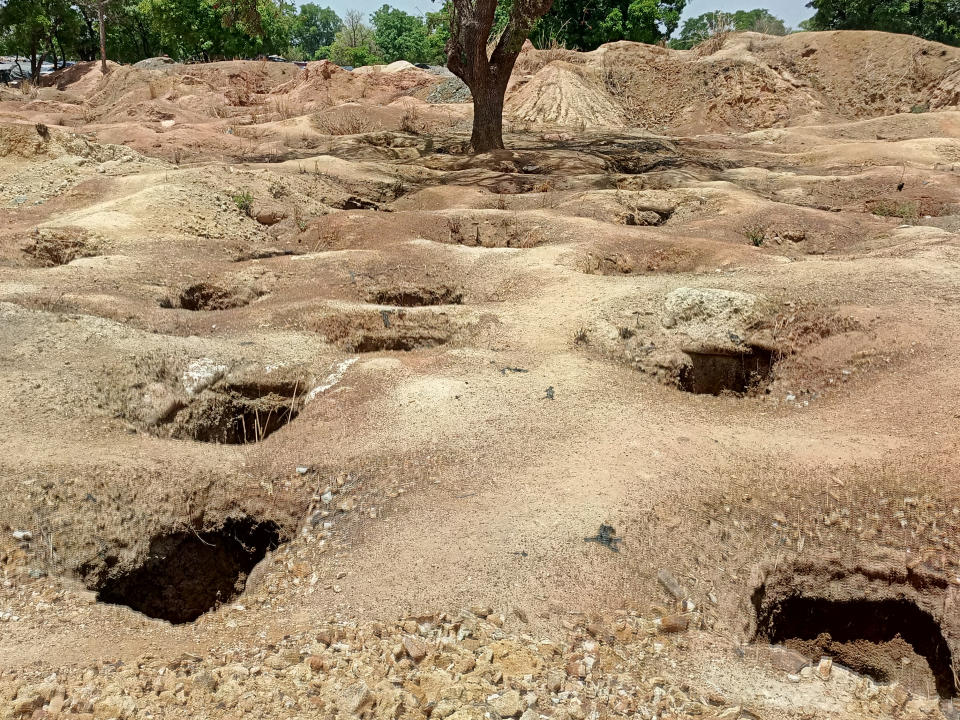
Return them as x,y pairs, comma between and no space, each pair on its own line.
750,82
561,95
758,81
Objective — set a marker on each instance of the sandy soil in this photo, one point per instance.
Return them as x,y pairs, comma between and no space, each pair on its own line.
282,364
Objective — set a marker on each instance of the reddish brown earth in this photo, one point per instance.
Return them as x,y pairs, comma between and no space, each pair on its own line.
249,312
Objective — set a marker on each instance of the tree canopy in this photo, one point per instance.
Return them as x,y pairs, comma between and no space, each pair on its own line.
218,29
699,28
937,20
585,26
313,28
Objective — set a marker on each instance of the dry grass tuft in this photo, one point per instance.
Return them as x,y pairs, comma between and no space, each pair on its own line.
530,63
721,25
348,122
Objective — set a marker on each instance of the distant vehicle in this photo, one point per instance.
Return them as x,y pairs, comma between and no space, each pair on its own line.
12,72
300,63
422,66
346,67
277,58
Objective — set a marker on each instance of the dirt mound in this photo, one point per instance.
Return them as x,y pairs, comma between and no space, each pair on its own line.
154,63
756,81
946,93
561,94
80,78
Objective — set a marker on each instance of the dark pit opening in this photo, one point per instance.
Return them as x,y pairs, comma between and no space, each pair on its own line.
207,296
868,636
713,372
416,296
374,342
239,414
51,248
186,574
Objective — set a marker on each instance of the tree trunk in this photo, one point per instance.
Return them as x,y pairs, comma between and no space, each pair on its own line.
86,48
103,36
488,118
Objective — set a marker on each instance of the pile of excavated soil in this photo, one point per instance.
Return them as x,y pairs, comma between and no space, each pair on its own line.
561,95
750,82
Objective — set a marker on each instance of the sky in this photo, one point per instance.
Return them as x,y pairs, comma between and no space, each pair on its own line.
791,11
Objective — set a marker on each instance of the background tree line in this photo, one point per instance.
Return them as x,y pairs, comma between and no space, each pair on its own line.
56,30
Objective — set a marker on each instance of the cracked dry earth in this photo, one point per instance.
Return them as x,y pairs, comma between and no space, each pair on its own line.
335,454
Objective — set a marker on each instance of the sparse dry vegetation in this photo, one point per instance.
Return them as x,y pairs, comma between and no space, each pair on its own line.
345,122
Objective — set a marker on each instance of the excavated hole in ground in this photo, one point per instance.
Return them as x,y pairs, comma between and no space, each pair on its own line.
387,330
186,574
51,248
416,296
716,372
239,414
402,342
206,296
872,637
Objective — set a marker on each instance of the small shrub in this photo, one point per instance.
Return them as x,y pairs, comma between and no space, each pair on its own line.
298,218
43,131
410,121
919,109
284,108
244,202
721,25
354,122
277,189
580,337
890,208
157,88
756,234
455,230
530,63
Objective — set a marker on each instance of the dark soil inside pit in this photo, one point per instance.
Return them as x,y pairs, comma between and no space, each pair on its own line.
416,296
50,248
387,330
889,640
186,574
715,373
208,296
235,414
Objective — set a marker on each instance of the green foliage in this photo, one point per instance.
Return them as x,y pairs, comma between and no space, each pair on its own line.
342,54
756,234
353,43
401,36
697,29
39,28
891,208
244,201
314,28
218,29
585,26
937,20
183,29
